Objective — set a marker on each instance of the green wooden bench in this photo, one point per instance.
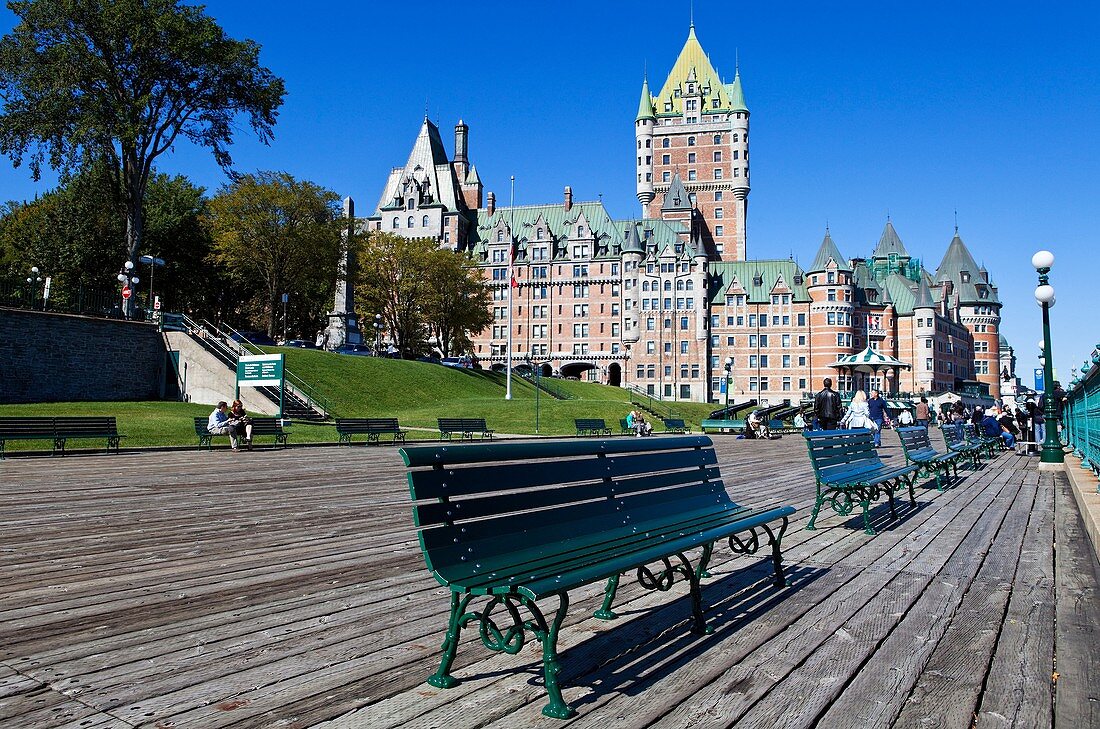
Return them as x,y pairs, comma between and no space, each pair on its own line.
465,427
955,439
625,429
848,471
591,426
58,429
370,427
260,426
519,522
719,425
919,450
989,445
675,425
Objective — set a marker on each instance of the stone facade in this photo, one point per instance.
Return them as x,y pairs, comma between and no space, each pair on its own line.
661,302
59,358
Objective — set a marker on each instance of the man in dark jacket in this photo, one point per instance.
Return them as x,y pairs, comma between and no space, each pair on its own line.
877,406
827,406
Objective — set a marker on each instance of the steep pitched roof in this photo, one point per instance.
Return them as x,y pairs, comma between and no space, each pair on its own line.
900,292
889,243
560,226
959,267
633,243
828,251
747,273
677,197
427,165
924,297
645,104
694,65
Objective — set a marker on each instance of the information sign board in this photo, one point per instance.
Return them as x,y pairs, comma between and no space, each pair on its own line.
260,370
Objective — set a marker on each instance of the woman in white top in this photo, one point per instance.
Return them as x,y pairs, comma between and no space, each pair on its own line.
858,415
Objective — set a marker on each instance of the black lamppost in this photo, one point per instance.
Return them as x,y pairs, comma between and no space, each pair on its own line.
152,262
34,279
1044,296
728,366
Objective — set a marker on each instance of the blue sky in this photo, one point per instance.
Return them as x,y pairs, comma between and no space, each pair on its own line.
907,109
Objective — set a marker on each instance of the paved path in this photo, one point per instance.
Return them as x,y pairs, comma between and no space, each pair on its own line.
286,589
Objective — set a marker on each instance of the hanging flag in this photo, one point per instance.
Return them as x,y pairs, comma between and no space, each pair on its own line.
511,264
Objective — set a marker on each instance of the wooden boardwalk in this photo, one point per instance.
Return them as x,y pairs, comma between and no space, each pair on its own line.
286,589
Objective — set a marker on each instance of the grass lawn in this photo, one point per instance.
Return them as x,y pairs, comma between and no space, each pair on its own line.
414,392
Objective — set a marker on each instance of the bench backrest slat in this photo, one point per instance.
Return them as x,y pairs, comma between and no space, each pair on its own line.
845,454
462,424
589,423
473,505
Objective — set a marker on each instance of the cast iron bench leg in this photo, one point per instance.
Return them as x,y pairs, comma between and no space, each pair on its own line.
698,624
776,539
866,504
548,636
442,678
605,612
817,507
704,560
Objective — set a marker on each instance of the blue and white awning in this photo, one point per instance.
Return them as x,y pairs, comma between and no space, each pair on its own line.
869,361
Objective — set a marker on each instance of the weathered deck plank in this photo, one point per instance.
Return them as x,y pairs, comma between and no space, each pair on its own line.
150,589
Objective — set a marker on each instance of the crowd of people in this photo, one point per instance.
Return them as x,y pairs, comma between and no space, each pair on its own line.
1023,423
232,421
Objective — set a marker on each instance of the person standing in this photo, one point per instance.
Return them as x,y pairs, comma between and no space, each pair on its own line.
858,415
923,414
827,406
905,418
876,408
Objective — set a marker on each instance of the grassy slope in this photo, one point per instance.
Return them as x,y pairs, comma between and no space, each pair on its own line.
414,392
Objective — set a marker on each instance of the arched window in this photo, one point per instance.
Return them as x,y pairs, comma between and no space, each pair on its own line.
411,223
735,137
410,203
717,138
664,143
668,286
690,285
500,236
680,285
396,222
540,234
424,222
645,285
691,141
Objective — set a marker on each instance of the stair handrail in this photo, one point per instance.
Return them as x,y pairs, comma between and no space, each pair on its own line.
547,385
655,403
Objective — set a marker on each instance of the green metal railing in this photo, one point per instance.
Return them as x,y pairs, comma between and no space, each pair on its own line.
654,405
1081,414
547,384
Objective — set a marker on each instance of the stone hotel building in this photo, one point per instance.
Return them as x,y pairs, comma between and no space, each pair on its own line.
660,302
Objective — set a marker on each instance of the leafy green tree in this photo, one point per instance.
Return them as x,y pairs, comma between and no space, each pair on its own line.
279,235
458,301
123,81
393,282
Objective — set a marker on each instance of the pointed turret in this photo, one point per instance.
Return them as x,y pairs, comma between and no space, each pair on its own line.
677,196
959,267
828,251
736,94
633,243
889,243
645,104
924,298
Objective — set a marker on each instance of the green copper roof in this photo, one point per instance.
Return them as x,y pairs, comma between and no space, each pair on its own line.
559,226
889,243
959,267
694,66
924,297
677,197
900,292
736,95
645,104
828,251
758,279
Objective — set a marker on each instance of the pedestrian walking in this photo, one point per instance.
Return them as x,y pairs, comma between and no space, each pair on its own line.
876,408
827,407
923,414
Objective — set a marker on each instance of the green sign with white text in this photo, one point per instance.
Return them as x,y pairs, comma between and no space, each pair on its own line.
260,370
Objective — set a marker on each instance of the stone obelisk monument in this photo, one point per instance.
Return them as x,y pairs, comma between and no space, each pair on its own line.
343,324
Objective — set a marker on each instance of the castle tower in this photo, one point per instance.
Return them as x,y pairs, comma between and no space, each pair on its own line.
832,313
633,253
643,132
924,333
979,309
699,132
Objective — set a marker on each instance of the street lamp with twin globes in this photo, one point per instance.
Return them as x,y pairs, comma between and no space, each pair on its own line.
1052,452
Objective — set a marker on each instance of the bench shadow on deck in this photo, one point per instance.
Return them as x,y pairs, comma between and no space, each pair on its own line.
150,590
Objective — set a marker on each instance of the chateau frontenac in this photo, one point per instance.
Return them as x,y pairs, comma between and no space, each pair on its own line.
670,302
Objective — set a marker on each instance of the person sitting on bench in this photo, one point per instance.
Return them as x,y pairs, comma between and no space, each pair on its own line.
240,421
753,425
218,423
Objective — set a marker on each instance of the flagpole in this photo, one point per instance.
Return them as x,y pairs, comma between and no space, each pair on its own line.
511,285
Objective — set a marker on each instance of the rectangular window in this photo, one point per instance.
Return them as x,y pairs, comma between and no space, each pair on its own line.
691,175
763,340
718,173
719,230
718,196
801,361
786,360
718,156
666,159
718,213
801,320
763,360
752,321
683,347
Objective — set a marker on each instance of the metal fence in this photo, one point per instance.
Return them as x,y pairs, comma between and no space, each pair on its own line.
18,294
1081,414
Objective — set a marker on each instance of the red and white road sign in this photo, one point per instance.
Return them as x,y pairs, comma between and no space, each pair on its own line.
127,292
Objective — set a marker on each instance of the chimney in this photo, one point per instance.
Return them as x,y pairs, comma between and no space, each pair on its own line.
568,198
462,136
491,203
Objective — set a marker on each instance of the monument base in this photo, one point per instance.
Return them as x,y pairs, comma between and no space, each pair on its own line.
343,328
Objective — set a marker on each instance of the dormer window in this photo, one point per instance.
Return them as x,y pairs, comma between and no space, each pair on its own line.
757,280
500,236
580,230
965,276
831,277
539,235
